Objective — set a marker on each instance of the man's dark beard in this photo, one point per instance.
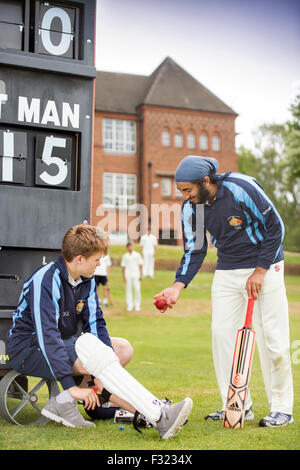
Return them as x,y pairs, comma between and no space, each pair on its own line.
203,194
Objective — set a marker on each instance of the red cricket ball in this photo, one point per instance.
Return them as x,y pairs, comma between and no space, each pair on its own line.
160,303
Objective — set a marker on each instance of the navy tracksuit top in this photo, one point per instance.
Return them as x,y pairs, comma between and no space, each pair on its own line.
49,307
245,228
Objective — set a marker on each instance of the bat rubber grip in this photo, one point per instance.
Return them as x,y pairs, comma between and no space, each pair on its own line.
248,321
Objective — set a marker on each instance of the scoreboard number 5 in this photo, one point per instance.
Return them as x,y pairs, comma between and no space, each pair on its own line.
49,159
53,162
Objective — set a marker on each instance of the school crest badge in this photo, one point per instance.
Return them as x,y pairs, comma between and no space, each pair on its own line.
79,306
235,222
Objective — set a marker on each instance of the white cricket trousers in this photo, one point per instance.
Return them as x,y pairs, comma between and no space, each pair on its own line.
271,325
148,265
133,292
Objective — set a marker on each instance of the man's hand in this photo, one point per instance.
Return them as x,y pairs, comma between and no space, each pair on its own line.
255,282
171,294
87,395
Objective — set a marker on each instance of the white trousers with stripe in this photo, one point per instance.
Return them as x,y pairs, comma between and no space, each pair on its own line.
271,325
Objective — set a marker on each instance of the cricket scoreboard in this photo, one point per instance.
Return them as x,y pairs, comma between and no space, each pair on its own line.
47,78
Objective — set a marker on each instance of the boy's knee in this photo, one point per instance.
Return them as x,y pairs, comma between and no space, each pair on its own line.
123,350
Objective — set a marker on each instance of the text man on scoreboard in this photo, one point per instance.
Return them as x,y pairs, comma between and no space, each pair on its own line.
248,232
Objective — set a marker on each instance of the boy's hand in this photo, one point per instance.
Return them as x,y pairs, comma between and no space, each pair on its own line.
87,395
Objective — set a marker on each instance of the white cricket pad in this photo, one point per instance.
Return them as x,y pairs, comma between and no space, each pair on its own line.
101,361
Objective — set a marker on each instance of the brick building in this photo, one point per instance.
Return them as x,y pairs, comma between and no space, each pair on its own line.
144,126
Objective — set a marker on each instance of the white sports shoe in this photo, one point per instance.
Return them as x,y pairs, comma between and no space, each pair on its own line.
65,413
173,417
219,415
275,419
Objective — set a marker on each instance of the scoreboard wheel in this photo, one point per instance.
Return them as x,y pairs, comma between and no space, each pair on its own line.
22,398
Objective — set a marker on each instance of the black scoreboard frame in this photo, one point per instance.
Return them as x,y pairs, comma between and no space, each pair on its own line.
46,128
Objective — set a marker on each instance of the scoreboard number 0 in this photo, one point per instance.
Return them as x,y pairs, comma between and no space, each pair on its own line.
57,30
50,16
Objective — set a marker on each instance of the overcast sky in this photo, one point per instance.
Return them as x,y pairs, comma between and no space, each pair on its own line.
247,52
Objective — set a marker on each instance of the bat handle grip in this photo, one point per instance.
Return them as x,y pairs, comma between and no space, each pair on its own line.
248,321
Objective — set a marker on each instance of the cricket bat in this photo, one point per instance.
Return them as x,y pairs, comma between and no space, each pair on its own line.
240,372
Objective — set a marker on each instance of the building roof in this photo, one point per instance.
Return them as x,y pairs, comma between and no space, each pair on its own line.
169,85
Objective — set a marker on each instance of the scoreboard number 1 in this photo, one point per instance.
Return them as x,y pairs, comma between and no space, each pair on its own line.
13,153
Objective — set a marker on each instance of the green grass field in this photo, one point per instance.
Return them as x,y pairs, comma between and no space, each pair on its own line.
169,252
173,358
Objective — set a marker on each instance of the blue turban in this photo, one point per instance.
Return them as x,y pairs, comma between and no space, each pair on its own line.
194,168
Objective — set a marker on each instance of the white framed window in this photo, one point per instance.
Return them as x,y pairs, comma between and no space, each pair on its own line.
203,141
216,143
118,237
165,138
191,140
119,190
166,187
119,136
178,139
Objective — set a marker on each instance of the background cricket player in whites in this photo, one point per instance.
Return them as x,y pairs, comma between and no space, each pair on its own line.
247,232
149,243
132,264
101,277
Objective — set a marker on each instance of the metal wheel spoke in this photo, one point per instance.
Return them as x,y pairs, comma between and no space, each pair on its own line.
21,389
15,398
19,407
38,386
36,407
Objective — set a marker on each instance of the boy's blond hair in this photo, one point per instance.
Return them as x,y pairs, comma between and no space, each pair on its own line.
84,240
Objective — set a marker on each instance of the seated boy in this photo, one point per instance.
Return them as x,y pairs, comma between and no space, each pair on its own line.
41,342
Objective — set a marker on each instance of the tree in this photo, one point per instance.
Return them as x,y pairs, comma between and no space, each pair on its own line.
275,163
292,144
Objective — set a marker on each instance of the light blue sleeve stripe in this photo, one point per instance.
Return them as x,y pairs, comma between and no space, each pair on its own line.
188,232
24,292
240,195
25,289
37,283
22,304
187,258
263,194
213,239
27,283
18,313
92,304
258,234
248,228
56,282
